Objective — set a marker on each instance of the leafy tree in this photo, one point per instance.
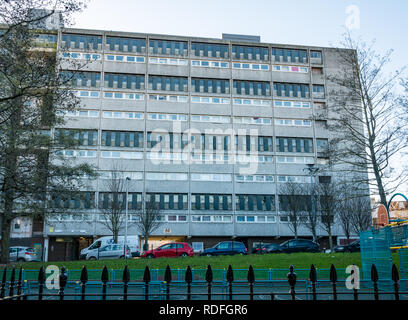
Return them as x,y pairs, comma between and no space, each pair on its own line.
33,98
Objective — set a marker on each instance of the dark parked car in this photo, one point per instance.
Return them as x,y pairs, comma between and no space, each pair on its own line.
259,247
225,248
272,248
352,247
299,245
266,248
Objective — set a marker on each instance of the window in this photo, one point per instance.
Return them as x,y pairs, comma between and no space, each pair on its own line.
167,116
290,69
254,178
76,137
250,53
81,79
79,41
318,91
179,62
127,139
164,83
212,100
211,177
125,44
210,85
295,160
124,81
253,120
162,176
168,201
252,88
287,202
291,104
252,102
295,90
316,56
294,144
322,145
296,179
123,115
121,155
83,200
293,122
211,202
210,50
160,97
209,64
168,47
250,66
212,119
131,59
289,55
255,202
324,179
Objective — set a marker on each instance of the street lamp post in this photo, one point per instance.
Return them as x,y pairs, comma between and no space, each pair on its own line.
126,216
312,170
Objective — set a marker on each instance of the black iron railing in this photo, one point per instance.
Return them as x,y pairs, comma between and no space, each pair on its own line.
15,286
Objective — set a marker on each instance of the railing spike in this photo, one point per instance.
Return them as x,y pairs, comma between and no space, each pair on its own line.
126,275
395,273
105,275
333,274
84,275
146,275
374,273
209,274
251,275
41,275
313,274
230,274
167,274
189,275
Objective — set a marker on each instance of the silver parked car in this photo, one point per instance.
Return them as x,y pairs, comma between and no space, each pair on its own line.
111,251
23,254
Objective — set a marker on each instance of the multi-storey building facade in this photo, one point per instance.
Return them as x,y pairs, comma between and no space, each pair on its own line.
207,128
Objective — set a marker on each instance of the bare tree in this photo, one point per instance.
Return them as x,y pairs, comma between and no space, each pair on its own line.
361,214
113,203
365,116
311,221
148,220
328,207
293,201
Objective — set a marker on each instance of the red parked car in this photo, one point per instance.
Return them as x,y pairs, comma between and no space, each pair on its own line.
174,249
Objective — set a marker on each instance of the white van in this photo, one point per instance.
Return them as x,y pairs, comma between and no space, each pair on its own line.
132,242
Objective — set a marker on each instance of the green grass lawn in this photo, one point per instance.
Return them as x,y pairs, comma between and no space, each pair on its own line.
269,261
267,266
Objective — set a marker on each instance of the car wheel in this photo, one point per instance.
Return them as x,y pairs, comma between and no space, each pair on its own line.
184,254
21,260
150,256
122,257
92,258
209,255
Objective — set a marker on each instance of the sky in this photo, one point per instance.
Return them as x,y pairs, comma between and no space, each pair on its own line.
313,22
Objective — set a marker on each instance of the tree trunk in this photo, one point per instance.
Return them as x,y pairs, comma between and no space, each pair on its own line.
331,241
5,240
146,243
